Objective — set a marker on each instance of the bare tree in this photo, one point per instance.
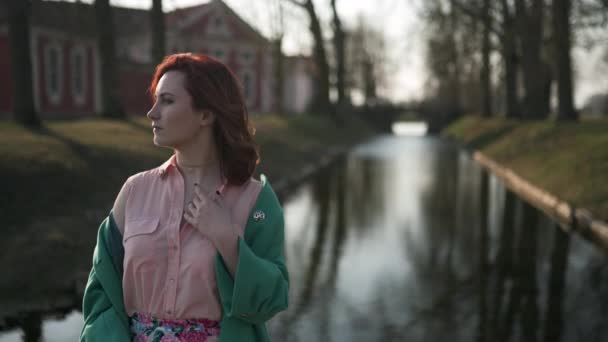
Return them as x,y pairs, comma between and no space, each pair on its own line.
19,36
486,83
536,72
322,102
157,25
500,22
277,24
445,59
339,40
525,35
366,46
111,107
562,45
510,60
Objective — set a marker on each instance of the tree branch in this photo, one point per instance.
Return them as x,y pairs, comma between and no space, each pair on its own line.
475,15
297,3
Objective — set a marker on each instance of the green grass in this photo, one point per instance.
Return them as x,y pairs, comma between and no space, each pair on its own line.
75,165
568,159
59,182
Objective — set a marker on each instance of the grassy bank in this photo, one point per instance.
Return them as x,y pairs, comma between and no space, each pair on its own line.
58,183
82,164
569,160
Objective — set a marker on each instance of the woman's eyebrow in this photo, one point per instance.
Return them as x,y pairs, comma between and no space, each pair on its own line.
164,93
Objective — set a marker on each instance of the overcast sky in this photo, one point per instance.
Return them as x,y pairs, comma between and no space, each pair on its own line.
399,21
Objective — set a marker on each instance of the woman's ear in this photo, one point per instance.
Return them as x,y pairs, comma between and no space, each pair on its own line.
207,118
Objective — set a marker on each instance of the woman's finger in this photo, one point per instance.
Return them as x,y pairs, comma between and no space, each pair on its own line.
217,199
188,217
203,198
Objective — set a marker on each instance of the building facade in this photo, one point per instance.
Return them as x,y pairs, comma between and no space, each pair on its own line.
66,65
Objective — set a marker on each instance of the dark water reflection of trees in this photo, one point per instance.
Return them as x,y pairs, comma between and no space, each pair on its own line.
481,264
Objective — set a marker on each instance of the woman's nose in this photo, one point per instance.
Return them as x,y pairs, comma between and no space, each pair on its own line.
152,113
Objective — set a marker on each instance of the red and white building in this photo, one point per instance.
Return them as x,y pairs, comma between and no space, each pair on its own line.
66,65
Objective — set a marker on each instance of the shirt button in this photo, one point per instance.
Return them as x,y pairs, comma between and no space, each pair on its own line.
169,312
171,280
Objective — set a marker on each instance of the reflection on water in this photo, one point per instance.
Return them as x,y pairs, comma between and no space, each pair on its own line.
410,128
52,329
406,239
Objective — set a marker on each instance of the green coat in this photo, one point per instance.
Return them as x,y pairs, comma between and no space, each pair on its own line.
258,291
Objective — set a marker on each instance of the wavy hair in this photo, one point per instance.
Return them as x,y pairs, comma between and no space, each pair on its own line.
214,87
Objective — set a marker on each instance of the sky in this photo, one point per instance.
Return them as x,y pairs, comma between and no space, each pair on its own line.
403,31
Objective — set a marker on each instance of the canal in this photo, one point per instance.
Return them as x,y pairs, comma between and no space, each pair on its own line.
408,239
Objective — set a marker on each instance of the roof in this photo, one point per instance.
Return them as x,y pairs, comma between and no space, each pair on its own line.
193,19
77,18
180,14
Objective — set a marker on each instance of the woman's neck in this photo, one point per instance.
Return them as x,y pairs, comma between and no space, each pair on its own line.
199,163
200,152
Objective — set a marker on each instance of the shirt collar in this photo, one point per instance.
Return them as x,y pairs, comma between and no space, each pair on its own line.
167,166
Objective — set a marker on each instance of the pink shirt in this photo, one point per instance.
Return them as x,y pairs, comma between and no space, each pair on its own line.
169,269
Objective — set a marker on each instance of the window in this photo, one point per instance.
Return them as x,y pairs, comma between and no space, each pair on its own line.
247,79
218,26
78,63
246,56
219,54
247,85
53,76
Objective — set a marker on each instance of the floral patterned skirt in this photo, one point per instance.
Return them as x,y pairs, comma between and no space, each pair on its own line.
147,328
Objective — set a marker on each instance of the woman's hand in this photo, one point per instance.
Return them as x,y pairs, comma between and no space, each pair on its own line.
209,215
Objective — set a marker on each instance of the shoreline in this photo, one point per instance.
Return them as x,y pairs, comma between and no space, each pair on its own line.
486,141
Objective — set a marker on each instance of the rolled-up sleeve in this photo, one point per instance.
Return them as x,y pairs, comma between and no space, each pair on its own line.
260,287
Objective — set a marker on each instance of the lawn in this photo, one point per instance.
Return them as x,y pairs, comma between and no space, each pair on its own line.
568,159
77,165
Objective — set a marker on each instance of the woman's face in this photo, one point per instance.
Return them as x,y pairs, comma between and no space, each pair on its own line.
174,120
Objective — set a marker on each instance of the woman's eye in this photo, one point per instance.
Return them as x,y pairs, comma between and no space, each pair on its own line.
167,101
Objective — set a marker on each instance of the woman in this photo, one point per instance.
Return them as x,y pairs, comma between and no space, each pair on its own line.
193,249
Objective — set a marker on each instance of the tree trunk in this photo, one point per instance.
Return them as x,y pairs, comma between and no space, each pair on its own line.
535,72
157,23
456,73
340,56
369,80
279,80
486,85
510,58
561,37
322,103
111,107
19,39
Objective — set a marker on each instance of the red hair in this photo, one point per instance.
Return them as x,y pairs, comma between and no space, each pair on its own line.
214,87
